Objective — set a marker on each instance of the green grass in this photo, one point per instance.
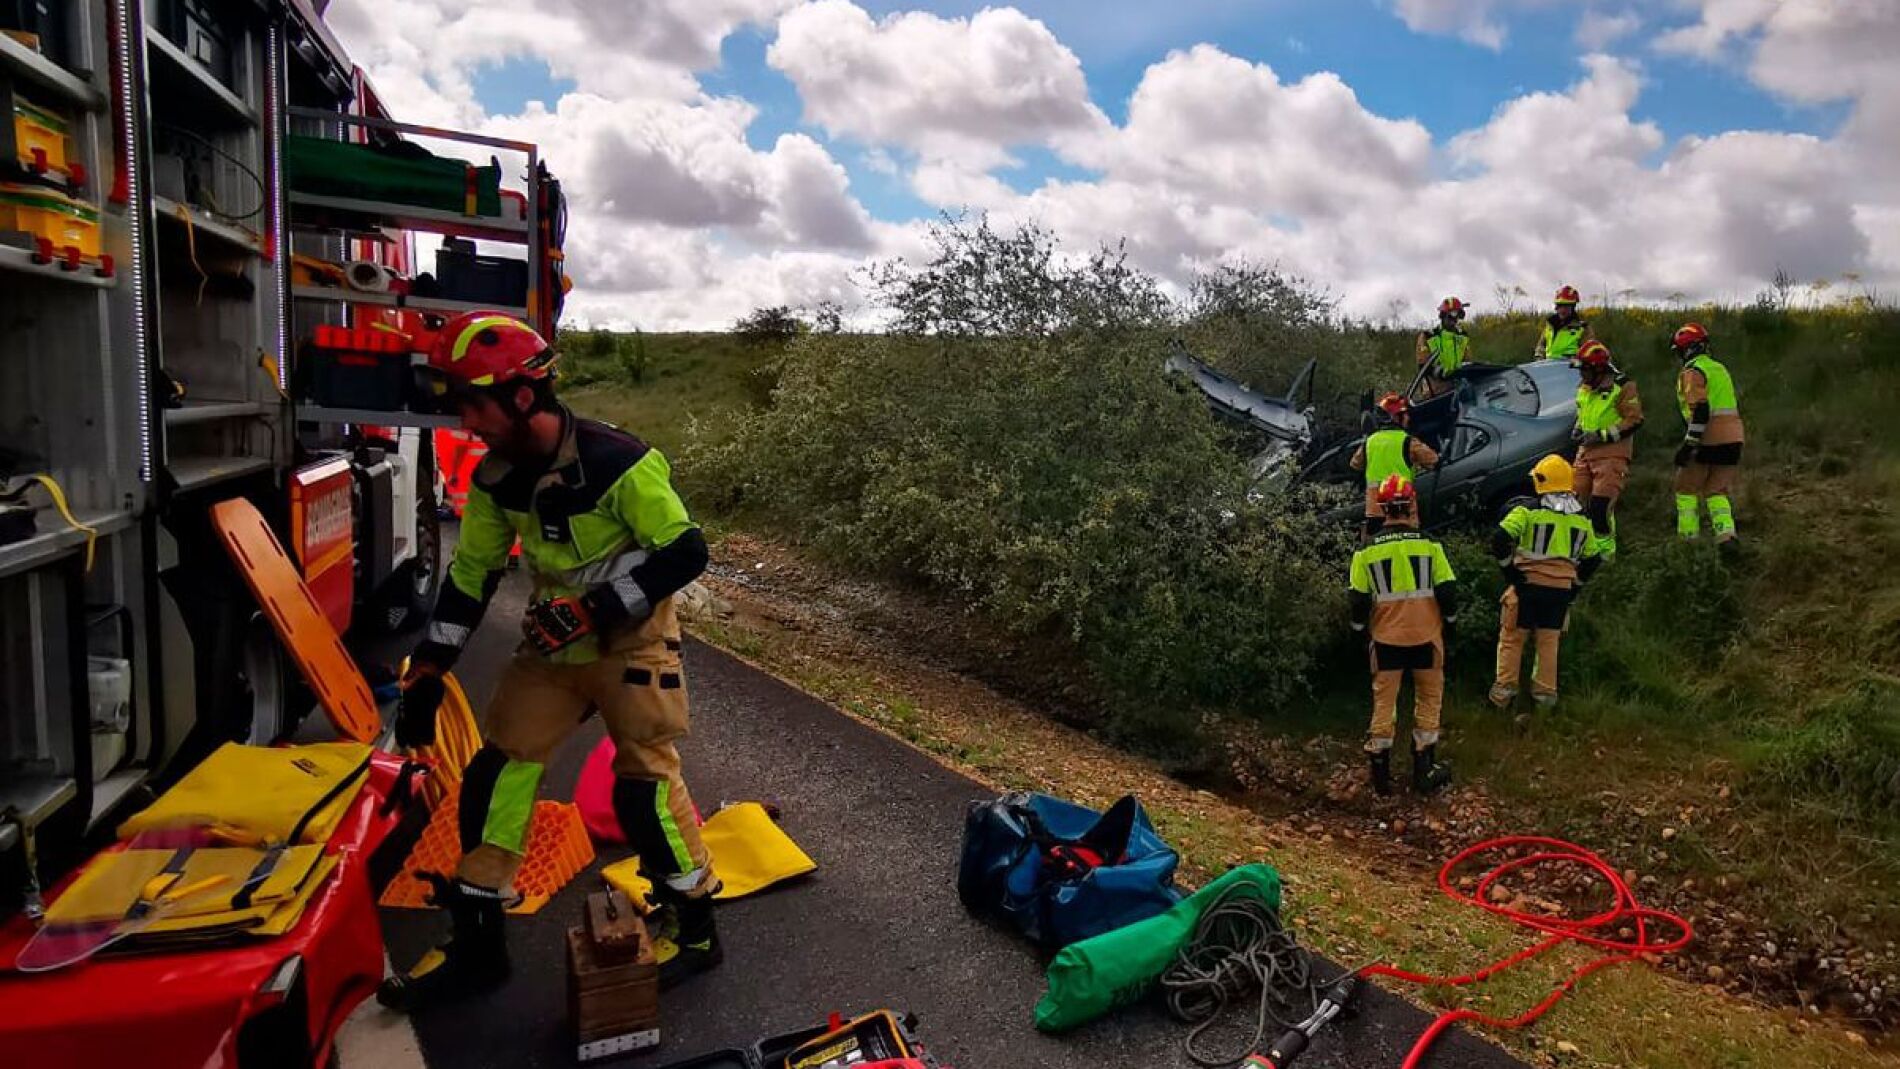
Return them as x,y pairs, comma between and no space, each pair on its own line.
691,383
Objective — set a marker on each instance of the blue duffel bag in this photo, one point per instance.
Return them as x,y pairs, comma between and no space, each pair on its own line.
1059,872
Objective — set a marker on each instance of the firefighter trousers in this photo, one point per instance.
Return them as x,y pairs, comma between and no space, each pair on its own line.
1711,478
1599,482
1541,614
639,691
1390,665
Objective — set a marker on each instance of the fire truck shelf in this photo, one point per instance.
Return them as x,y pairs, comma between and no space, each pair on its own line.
14,258
46,74
392,300
31,799
178,80
53,540
194,472
207,225
213,411
376,417
370,217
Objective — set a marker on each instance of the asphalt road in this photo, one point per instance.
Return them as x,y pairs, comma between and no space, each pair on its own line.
878,925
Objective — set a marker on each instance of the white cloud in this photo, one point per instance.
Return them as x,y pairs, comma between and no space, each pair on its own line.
1232,131
1598,29
1819,51
675,218
683,217
1555,187
1721,20
1477,21
946,87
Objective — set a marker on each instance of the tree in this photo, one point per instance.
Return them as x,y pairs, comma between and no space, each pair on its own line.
773,325
982,282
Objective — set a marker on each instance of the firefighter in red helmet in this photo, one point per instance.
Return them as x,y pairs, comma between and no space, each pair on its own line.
1564,330
1389,450
607,543
1403,593
1609,413
1711,449
1446,348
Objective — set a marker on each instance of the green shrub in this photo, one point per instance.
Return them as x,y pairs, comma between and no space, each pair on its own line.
1049,473
1847,751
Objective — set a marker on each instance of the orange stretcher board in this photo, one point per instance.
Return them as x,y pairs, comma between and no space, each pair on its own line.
306,632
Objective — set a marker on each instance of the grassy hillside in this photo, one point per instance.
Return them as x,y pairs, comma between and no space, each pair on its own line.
1751,704
663,387
1730,724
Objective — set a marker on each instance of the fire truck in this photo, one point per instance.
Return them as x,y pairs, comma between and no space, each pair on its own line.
213,237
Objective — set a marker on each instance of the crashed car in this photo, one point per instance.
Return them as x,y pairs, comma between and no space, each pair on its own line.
1277,429
1489,428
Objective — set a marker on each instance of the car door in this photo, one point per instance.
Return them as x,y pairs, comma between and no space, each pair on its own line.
1457,488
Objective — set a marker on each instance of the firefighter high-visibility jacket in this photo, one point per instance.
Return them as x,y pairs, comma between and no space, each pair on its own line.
1392,451
1549,542
1705,392
1446,350
601,518
1402,586
1614,412
1560,341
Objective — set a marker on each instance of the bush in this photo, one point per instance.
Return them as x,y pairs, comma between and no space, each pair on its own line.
1847,751
1025,449
775,325
1262,326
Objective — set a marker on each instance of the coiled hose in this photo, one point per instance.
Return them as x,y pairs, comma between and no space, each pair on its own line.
1239,946
1533,852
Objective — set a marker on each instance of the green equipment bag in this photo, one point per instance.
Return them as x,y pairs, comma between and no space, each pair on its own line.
402,173
1090,978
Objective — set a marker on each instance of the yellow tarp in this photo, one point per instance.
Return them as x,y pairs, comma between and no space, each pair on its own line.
750,852
268,794
110,886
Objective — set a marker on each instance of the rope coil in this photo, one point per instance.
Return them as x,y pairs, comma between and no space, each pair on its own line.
1239,947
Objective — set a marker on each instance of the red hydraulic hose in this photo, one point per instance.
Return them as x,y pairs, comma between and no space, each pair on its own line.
1626,911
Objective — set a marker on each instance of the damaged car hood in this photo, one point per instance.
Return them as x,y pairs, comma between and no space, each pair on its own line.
1285,427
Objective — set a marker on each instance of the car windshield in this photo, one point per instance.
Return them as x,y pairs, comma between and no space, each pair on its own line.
1510,390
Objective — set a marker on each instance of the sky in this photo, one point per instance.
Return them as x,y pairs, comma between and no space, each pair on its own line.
725,155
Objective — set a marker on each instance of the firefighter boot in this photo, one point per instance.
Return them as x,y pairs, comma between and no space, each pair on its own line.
1380,762
475,959
685,943
1427,774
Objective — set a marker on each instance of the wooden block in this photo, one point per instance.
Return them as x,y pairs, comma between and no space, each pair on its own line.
615,927
614,1006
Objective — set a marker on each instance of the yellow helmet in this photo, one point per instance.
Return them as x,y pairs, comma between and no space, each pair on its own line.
1553,475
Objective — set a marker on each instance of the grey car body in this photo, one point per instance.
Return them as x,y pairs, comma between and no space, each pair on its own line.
1279,428
1490,429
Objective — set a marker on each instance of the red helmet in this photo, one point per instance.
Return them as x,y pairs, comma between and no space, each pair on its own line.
1691,339
1594,355
489,348
1394,406
1396,494
1451,306
1567,295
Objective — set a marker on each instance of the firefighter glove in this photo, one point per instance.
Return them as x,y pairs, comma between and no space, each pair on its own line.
1513,576
1685,453
557,623
422,690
